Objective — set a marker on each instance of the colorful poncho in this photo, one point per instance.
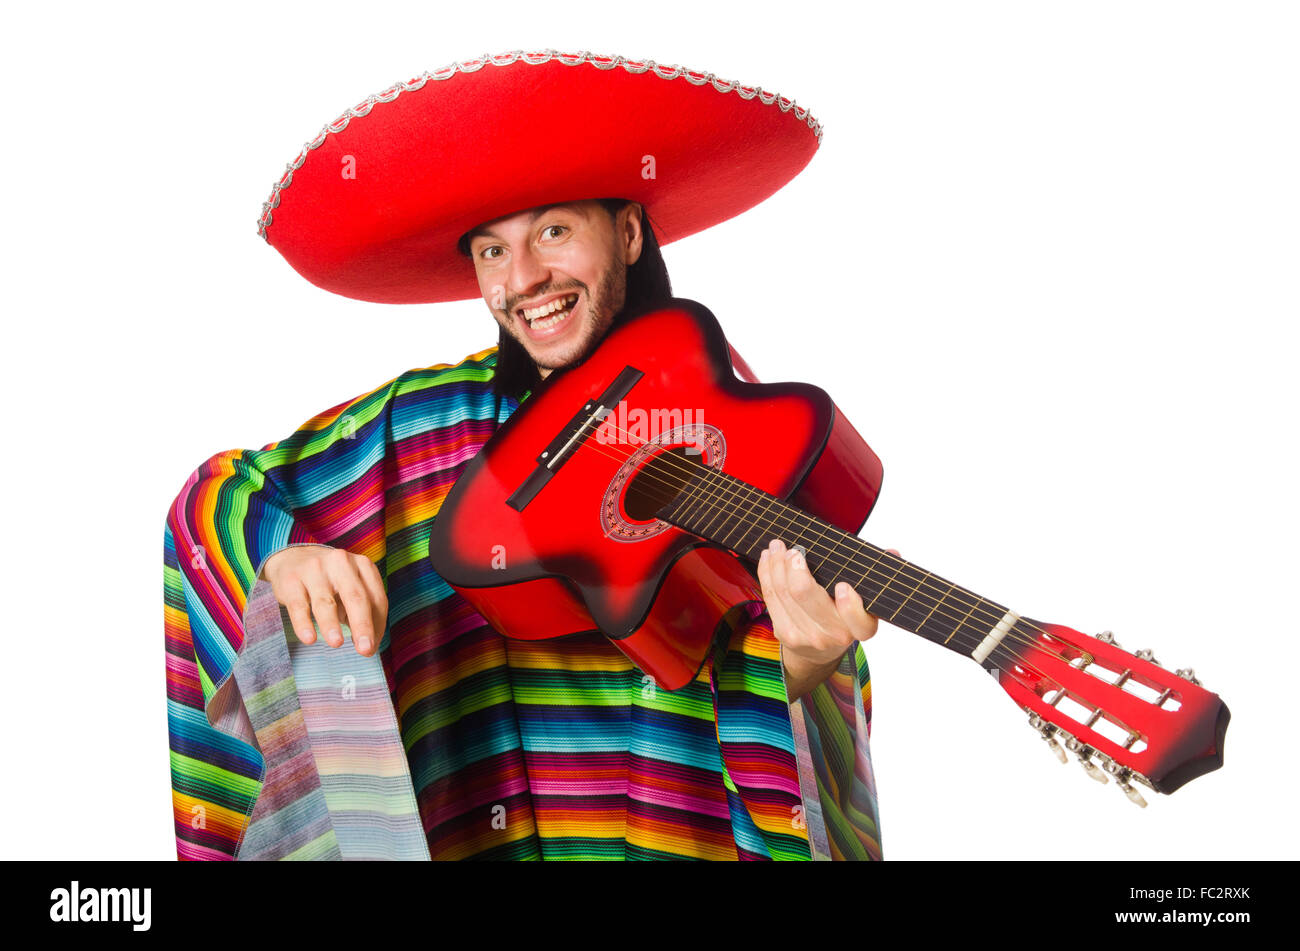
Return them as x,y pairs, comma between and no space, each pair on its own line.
454,742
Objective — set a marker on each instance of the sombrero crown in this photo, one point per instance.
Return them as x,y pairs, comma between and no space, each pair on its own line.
373,206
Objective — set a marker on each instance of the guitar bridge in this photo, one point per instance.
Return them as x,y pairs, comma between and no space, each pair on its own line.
571,436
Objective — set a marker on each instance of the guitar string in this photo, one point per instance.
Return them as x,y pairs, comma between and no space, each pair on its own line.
687,466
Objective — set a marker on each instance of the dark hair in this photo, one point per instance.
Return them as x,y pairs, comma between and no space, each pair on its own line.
647,286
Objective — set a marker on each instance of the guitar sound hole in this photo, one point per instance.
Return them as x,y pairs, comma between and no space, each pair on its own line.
659,480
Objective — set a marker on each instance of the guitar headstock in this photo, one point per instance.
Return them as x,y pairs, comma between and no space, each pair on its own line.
1121,714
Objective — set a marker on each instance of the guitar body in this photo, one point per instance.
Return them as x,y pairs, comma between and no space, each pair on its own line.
550,545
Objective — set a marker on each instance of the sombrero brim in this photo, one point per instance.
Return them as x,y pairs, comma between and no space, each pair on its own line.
372,207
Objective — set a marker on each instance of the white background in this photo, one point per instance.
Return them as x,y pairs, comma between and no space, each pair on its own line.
1045,261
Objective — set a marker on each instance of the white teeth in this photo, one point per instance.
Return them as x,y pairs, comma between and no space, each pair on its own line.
535,316
536,312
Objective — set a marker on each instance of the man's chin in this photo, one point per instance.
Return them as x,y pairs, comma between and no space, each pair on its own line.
567,356
560,363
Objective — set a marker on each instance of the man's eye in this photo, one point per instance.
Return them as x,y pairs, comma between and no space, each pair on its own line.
487,252
549,228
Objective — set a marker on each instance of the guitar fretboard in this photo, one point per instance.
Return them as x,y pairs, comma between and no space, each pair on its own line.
745,519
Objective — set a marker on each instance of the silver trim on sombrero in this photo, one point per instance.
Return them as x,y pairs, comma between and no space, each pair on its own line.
692,76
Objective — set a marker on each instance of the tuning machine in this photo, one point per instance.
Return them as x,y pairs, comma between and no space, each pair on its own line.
1133,795
1083,751
1122,777
1047,731
1106,637
1188,674
1148,655
1051,733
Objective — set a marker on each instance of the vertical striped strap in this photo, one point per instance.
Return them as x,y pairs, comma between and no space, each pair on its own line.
290,819
818,841
336,784
832,720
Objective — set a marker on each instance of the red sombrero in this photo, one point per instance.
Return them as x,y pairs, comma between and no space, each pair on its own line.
373,206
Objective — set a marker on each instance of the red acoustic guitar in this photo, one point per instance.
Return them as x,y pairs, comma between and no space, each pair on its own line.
632,493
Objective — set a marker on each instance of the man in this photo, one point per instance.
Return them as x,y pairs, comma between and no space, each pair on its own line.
530,262
507,749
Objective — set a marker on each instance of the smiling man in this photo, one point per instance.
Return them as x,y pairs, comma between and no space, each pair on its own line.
555,277
478,745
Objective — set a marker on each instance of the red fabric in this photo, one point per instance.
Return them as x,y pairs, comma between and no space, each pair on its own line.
436,161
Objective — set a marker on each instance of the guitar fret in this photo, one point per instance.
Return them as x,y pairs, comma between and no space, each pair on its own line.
936,606
725,537
764,527
957,627
734,507
757,525
719,483
883,588
690,502
914,590
914,607
687,501
940,625
775,522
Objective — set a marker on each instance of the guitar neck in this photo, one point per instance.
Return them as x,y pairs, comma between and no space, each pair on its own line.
745,519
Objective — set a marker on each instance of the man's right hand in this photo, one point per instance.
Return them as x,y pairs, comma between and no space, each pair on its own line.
315,581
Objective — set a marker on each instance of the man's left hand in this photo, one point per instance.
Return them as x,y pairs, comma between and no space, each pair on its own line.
814,629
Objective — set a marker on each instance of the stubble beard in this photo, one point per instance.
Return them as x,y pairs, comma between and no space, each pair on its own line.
602,308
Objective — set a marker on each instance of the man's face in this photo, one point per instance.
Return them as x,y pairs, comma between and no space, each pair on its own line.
555,277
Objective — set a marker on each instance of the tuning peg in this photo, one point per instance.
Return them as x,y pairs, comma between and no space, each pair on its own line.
1091,769
1084,751
1047,731
1188,674
1122,776
1106,637
1148,655
1133,794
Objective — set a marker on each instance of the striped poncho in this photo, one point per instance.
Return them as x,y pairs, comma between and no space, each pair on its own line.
454,742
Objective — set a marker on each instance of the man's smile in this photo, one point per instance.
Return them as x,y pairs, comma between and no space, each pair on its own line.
550,316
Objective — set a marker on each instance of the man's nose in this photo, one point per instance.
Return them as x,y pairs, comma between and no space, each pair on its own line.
527,272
